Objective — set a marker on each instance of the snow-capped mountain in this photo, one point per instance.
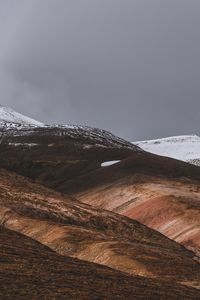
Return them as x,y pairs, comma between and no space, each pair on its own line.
14,125
90,137
184,147
7,115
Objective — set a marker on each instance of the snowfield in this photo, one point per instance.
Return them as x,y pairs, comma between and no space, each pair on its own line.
184,147
8,115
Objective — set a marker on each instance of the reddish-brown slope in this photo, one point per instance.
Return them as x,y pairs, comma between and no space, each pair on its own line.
29,270
57,158
162,193
75,229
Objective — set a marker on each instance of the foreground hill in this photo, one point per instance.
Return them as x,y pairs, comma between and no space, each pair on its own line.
184,147
75,229
29,270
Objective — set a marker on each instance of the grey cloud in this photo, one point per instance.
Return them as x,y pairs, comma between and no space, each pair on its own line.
128,66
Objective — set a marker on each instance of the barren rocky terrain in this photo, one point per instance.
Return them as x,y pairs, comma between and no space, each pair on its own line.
72,228
127,220
160,192
29,270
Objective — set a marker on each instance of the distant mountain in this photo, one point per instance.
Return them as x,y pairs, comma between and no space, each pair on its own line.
16,125
184,147
7,115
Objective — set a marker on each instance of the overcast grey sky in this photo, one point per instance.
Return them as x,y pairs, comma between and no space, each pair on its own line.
128,66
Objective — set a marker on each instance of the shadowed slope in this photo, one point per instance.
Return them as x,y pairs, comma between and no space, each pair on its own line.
53,154
62,142
75,229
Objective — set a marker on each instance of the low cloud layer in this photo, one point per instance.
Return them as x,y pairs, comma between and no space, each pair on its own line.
128,66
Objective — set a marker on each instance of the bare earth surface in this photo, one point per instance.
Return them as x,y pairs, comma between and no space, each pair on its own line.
159,199
29,270
75,229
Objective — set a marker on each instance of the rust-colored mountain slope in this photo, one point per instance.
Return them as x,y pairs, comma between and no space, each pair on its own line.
160,192
75,229
29,270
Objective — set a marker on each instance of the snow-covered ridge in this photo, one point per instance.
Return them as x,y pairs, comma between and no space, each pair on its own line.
14,125
91,137
7,115
184,147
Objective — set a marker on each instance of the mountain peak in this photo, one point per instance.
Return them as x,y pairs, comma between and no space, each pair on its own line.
8,115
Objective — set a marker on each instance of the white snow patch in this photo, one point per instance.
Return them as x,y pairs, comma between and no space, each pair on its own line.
109,163
23,144
88,146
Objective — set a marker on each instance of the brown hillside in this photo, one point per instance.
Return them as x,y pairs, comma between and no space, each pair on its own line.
75,229
160,192
29,270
